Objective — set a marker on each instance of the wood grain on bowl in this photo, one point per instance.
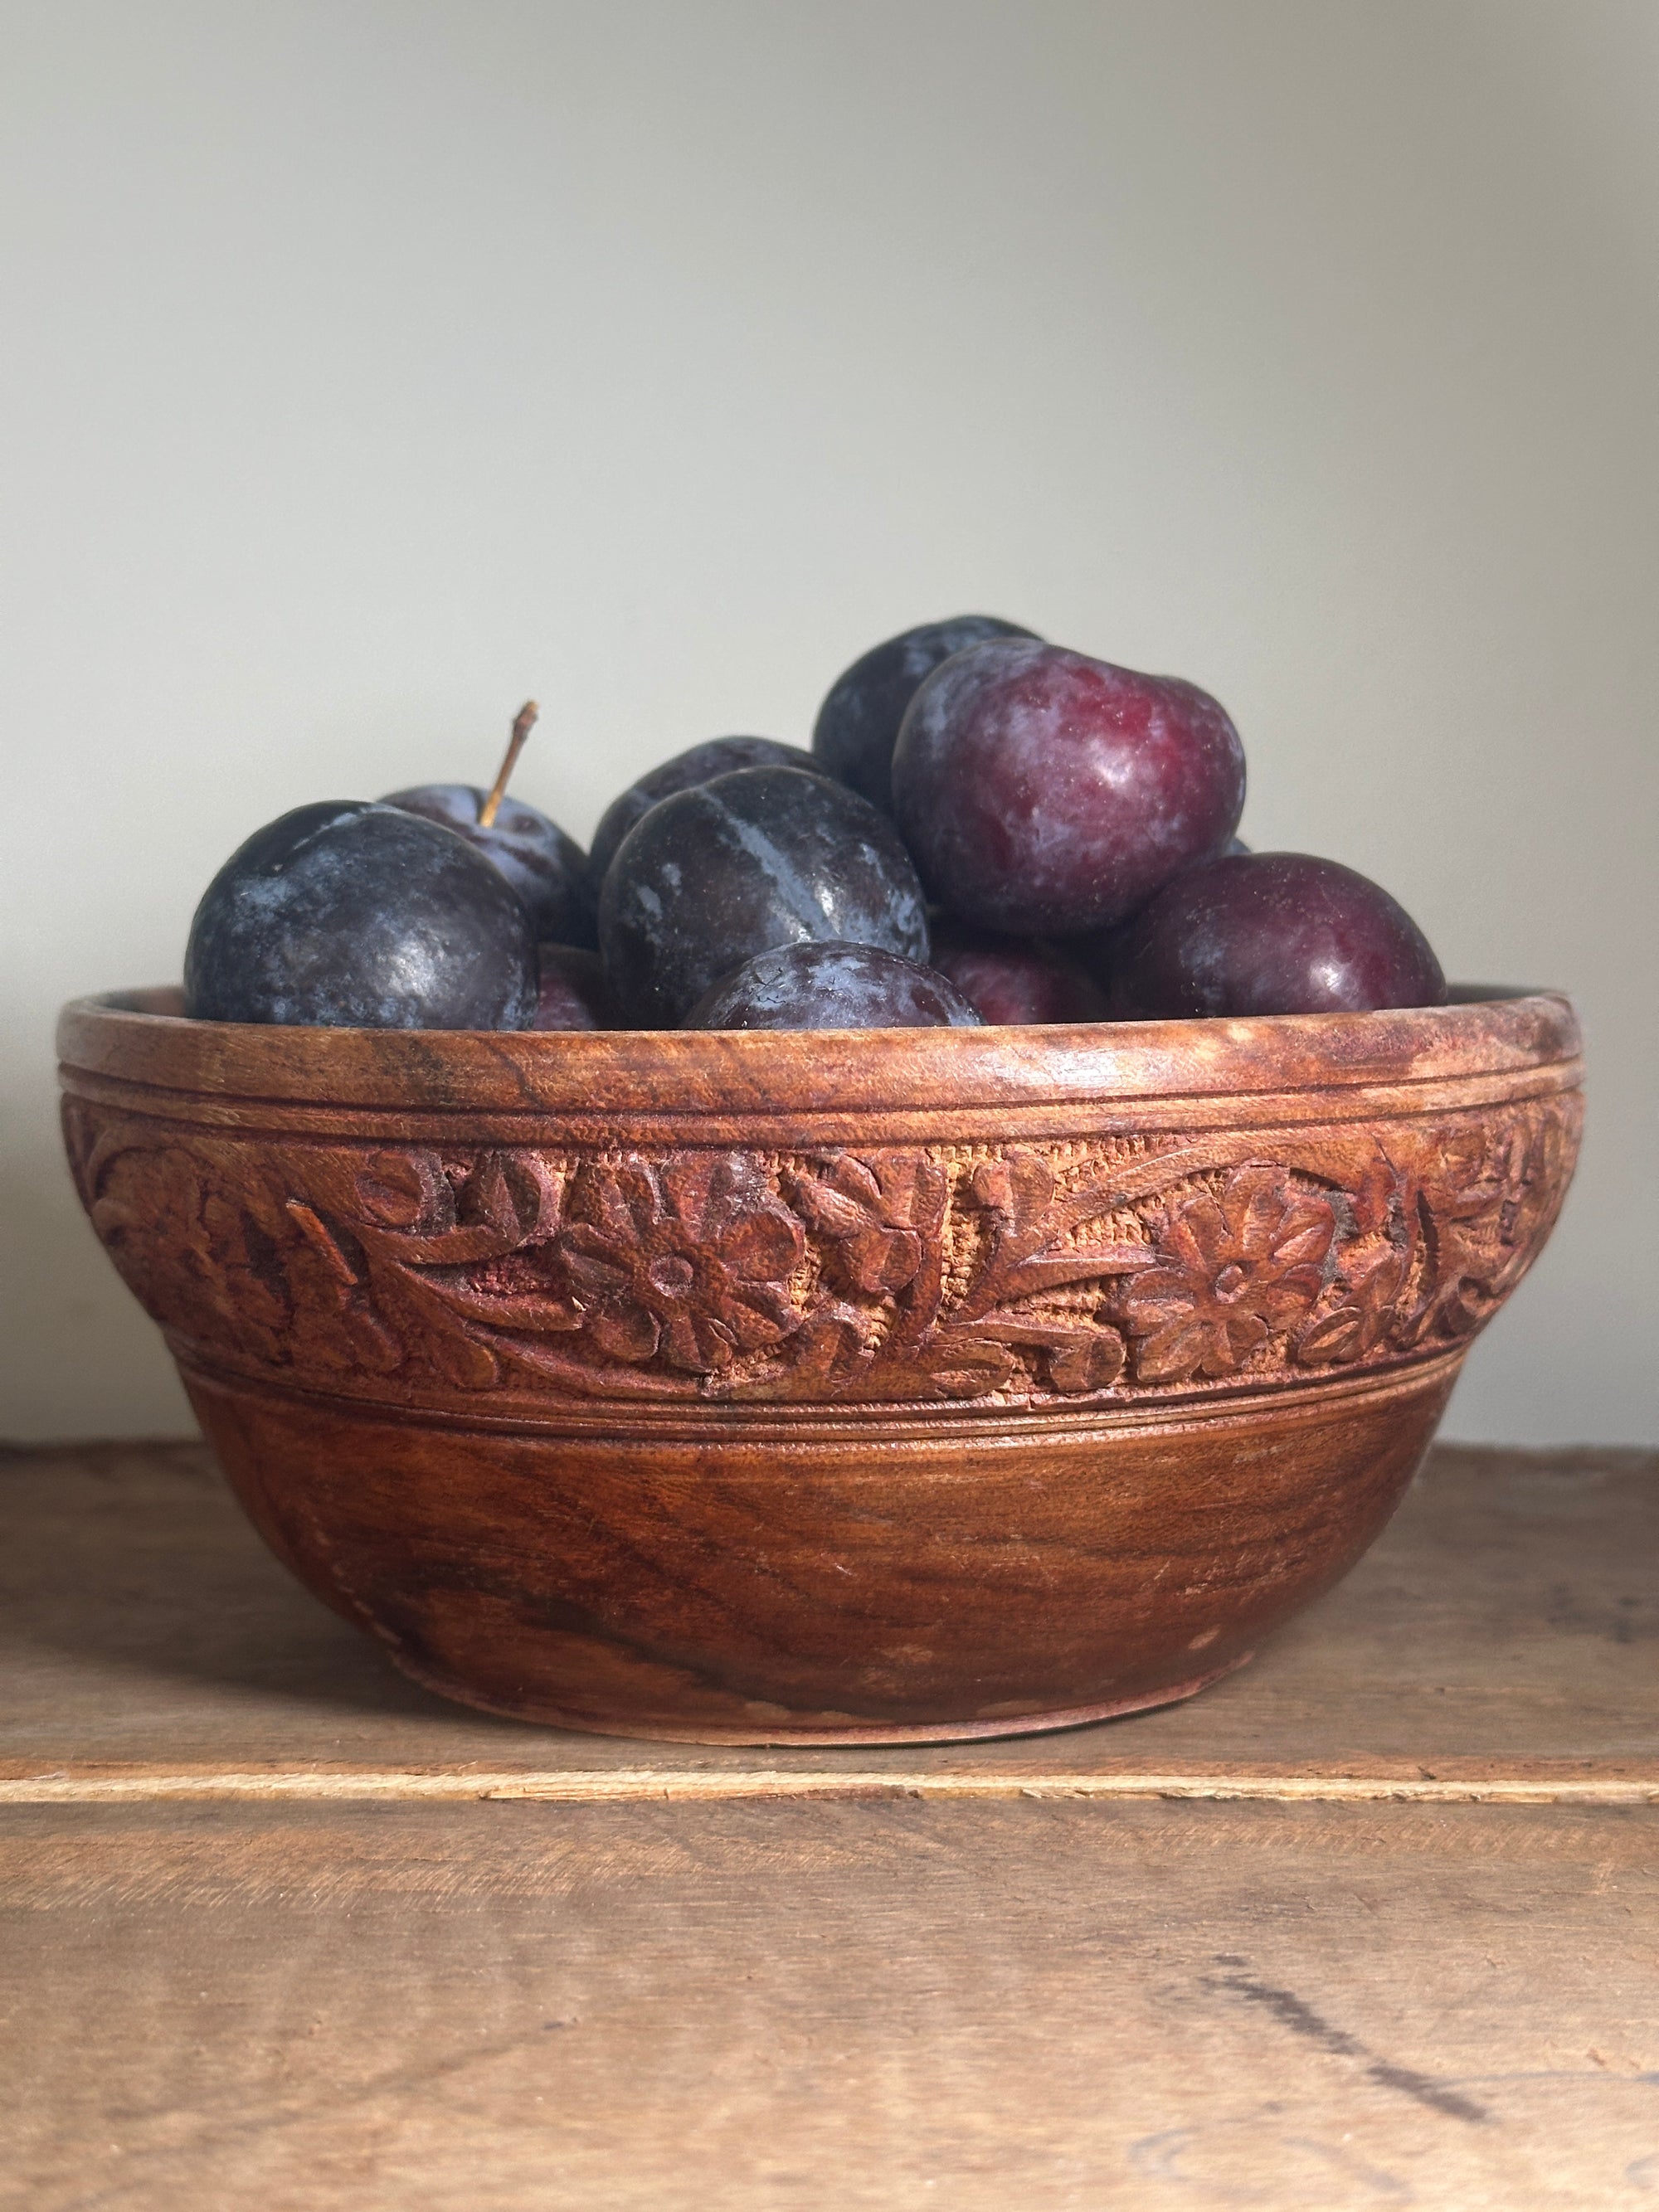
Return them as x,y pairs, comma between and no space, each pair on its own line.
834,1386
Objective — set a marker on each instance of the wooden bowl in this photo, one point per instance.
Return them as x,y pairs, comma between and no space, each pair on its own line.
835,1387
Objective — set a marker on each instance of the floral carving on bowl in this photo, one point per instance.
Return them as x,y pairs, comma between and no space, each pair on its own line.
1111,1269
691,1258
1233,1265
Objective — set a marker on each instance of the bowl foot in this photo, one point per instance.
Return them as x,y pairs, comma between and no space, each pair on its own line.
838,1730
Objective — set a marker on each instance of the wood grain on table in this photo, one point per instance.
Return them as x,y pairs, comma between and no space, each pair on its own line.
245,1960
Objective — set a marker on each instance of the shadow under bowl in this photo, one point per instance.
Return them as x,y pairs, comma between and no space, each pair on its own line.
825,1386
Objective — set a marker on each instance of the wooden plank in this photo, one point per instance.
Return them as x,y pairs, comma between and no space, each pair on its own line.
1539,1782
1498,1642
340,2009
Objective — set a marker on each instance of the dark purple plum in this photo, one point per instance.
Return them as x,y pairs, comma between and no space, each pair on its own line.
832,986
758,858
859,722
1045,793
548,869
1271,933
684,772
351,915
572,994
1012,980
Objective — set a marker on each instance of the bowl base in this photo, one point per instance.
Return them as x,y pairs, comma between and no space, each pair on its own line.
833,1734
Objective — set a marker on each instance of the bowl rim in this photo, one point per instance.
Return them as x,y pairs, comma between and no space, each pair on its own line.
143,1036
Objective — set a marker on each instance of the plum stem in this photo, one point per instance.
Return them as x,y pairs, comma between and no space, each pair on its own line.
523,723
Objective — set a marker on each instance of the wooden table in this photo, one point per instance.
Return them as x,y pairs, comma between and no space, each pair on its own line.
1375,1923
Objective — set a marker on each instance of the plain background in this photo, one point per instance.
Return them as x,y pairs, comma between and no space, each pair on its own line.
368,366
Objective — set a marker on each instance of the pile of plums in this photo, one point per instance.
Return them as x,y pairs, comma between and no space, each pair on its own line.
986,829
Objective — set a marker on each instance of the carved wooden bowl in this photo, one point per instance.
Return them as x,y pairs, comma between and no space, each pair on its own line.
844,1387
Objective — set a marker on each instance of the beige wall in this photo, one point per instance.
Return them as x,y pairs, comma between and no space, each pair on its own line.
368,366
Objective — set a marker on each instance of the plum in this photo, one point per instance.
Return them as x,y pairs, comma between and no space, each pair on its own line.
684,772
1271,933
1044,794
547,868
1014,979
347,914
1095,954
758,858
572,994
860,718
828,985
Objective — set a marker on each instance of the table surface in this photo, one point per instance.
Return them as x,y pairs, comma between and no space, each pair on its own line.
1374,1922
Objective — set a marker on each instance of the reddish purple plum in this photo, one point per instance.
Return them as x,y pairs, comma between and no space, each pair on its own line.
832,986
1014,980
1045,793
1271,933
548,869
1097,953
572,992
684,772
859,722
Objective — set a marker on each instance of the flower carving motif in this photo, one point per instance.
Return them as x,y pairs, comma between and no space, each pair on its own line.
1372,1273
1234,1265
1492,1204
692,1257
869,1218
